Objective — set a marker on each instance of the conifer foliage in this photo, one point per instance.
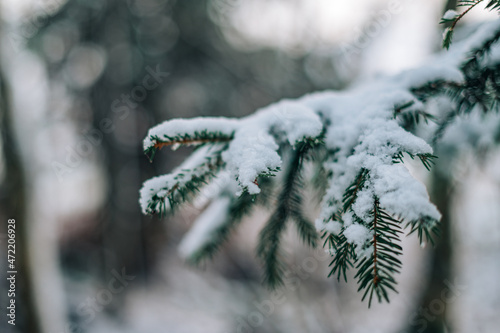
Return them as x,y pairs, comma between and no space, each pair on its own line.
355,144
452,18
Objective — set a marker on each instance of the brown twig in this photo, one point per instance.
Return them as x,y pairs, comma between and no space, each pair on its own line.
160,145
376,278
459,17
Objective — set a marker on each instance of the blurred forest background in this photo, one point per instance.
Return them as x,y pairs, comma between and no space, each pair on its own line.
82,81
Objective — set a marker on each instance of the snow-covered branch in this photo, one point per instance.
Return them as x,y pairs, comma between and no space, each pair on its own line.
370,195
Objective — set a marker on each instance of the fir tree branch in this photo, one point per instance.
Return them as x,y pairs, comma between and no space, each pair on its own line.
376,272
319,174
479,52
359,141
448,34
343,253
306,230
493,4
196,139
480,89
289,206
239,208
443,126
177,195
268,247
426,159
188,142
410,117
426,230
433,89
481,85
351,193
183,184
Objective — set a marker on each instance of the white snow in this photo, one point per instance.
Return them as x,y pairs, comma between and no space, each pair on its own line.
361,133
205,225
348,218
182,126
253,151
357,234
333,227
401,194
364,134
195,165
364,204
450,14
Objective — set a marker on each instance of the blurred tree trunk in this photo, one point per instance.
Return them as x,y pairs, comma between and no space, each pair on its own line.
123,227
13,202
450,4
428,317
432,309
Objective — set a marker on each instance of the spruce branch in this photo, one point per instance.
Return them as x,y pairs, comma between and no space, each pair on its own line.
351,193
289,207
433,89
365,132
493,4
376,272
343,253
268,248
240,207
426,159
481,88
196,139
306,230
409,117
425,228
165,193
344,256
176,195
319,173
399,108
448,33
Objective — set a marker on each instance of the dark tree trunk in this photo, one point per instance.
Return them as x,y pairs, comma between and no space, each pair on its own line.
450,4
430,316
